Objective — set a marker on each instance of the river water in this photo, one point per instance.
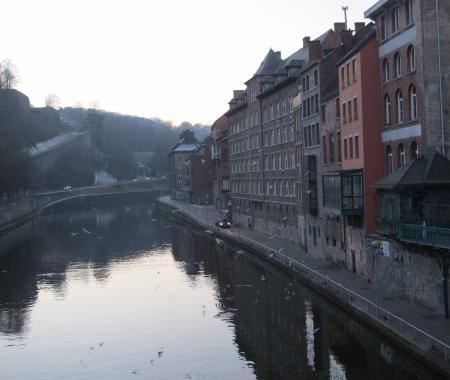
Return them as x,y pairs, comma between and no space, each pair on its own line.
124,294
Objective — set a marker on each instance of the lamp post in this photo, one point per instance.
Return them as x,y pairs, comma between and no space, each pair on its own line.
207,201
238,209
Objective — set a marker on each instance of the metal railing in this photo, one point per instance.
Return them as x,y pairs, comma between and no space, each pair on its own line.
404,328
423,234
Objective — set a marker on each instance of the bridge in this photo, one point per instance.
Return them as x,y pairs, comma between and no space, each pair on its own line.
18,211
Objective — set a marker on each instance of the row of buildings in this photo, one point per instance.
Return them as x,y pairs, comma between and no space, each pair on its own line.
342,148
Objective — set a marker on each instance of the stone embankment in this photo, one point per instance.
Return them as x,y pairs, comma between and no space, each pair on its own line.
416,329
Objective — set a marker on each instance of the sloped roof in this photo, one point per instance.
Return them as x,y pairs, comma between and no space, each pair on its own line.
186,148
431,170
270,64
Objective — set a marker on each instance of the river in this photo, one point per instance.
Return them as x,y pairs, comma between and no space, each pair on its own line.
124,293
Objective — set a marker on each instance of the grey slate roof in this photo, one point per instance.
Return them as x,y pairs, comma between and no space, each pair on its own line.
431,170
186,148
270,64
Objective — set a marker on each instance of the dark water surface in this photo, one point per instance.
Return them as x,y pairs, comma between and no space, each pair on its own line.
122,294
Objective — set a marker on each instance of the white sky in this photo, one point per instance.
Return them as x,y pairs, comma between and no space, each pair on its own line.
177,60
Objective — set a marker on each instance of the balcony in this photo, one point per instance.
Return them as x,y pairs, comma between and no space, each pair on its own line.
425,235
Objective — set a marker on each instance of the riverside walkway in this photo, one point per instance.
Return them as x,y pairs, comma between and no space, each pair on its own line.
418,327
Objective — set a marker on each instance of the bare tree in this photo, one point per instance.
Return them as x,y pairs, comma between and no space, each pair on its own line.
53,101
8,74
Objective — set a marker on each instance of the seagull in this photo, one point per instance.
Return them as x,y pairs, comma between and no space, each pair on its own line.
73,234
86,231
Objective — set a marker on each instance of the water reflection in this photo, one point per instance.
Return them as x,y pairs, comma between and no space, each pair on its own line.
115,294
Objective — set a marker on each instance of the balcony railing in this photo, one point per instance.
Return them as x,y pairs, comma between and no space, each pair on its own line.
427,235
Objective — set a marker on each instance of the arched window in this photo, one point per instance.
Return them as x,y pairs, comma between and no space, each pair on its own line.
387,110
413,102
399,99
408,12
414,150
401,155
397,65
411,58
386,70
389,161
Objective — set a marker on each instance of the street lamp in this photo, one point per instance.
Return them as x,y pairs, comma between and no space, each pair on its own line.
285,235
207,201
238,209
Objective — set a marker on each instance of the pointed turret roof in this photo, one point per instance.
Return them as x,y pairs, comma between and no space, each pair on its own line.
270,64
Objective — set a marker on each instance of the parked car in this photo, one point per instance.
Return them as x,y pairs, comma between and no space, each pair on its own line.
223,223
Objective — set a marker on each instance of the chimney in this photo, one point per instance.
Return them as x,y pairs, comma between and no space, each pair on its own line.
315,50
339,27
306,41
359,26
347,39
278,53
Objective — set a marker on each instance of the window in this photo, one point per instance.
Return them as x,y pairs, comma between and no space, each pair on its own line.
389,161
345,148
411,58
352,191
413,102
409,12
338,109
307,82
414,150
395,20
323,113
398,65
339,146
348,74
354,70
331,143
357,146
316,78
355,108
316,101
344,113
401,155
324,149
387,110
399,98
332,191
386,71
350,116
343,76
317,134
383,28
350,143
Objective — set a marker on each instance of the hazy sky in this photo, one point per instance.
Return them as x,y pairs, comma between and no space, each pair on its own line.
174,59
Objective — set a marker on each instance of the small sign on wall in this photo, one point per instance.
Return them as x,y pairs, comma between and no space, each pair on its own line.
381,248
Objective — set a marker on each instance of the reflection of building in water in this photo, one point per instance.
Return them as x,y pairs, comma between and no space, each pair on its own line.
283,328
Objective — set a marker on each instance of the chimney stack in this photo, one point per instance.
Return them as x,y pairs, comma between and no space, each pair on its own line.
359,26
306,41
315,50
339,27
347,39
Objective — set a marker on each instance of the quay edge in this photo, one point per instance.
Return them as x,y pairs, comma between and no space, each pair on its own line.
436,363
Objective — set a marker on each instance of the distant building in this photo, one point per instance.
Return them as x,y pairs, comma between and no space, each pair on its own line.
219,155
190,170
